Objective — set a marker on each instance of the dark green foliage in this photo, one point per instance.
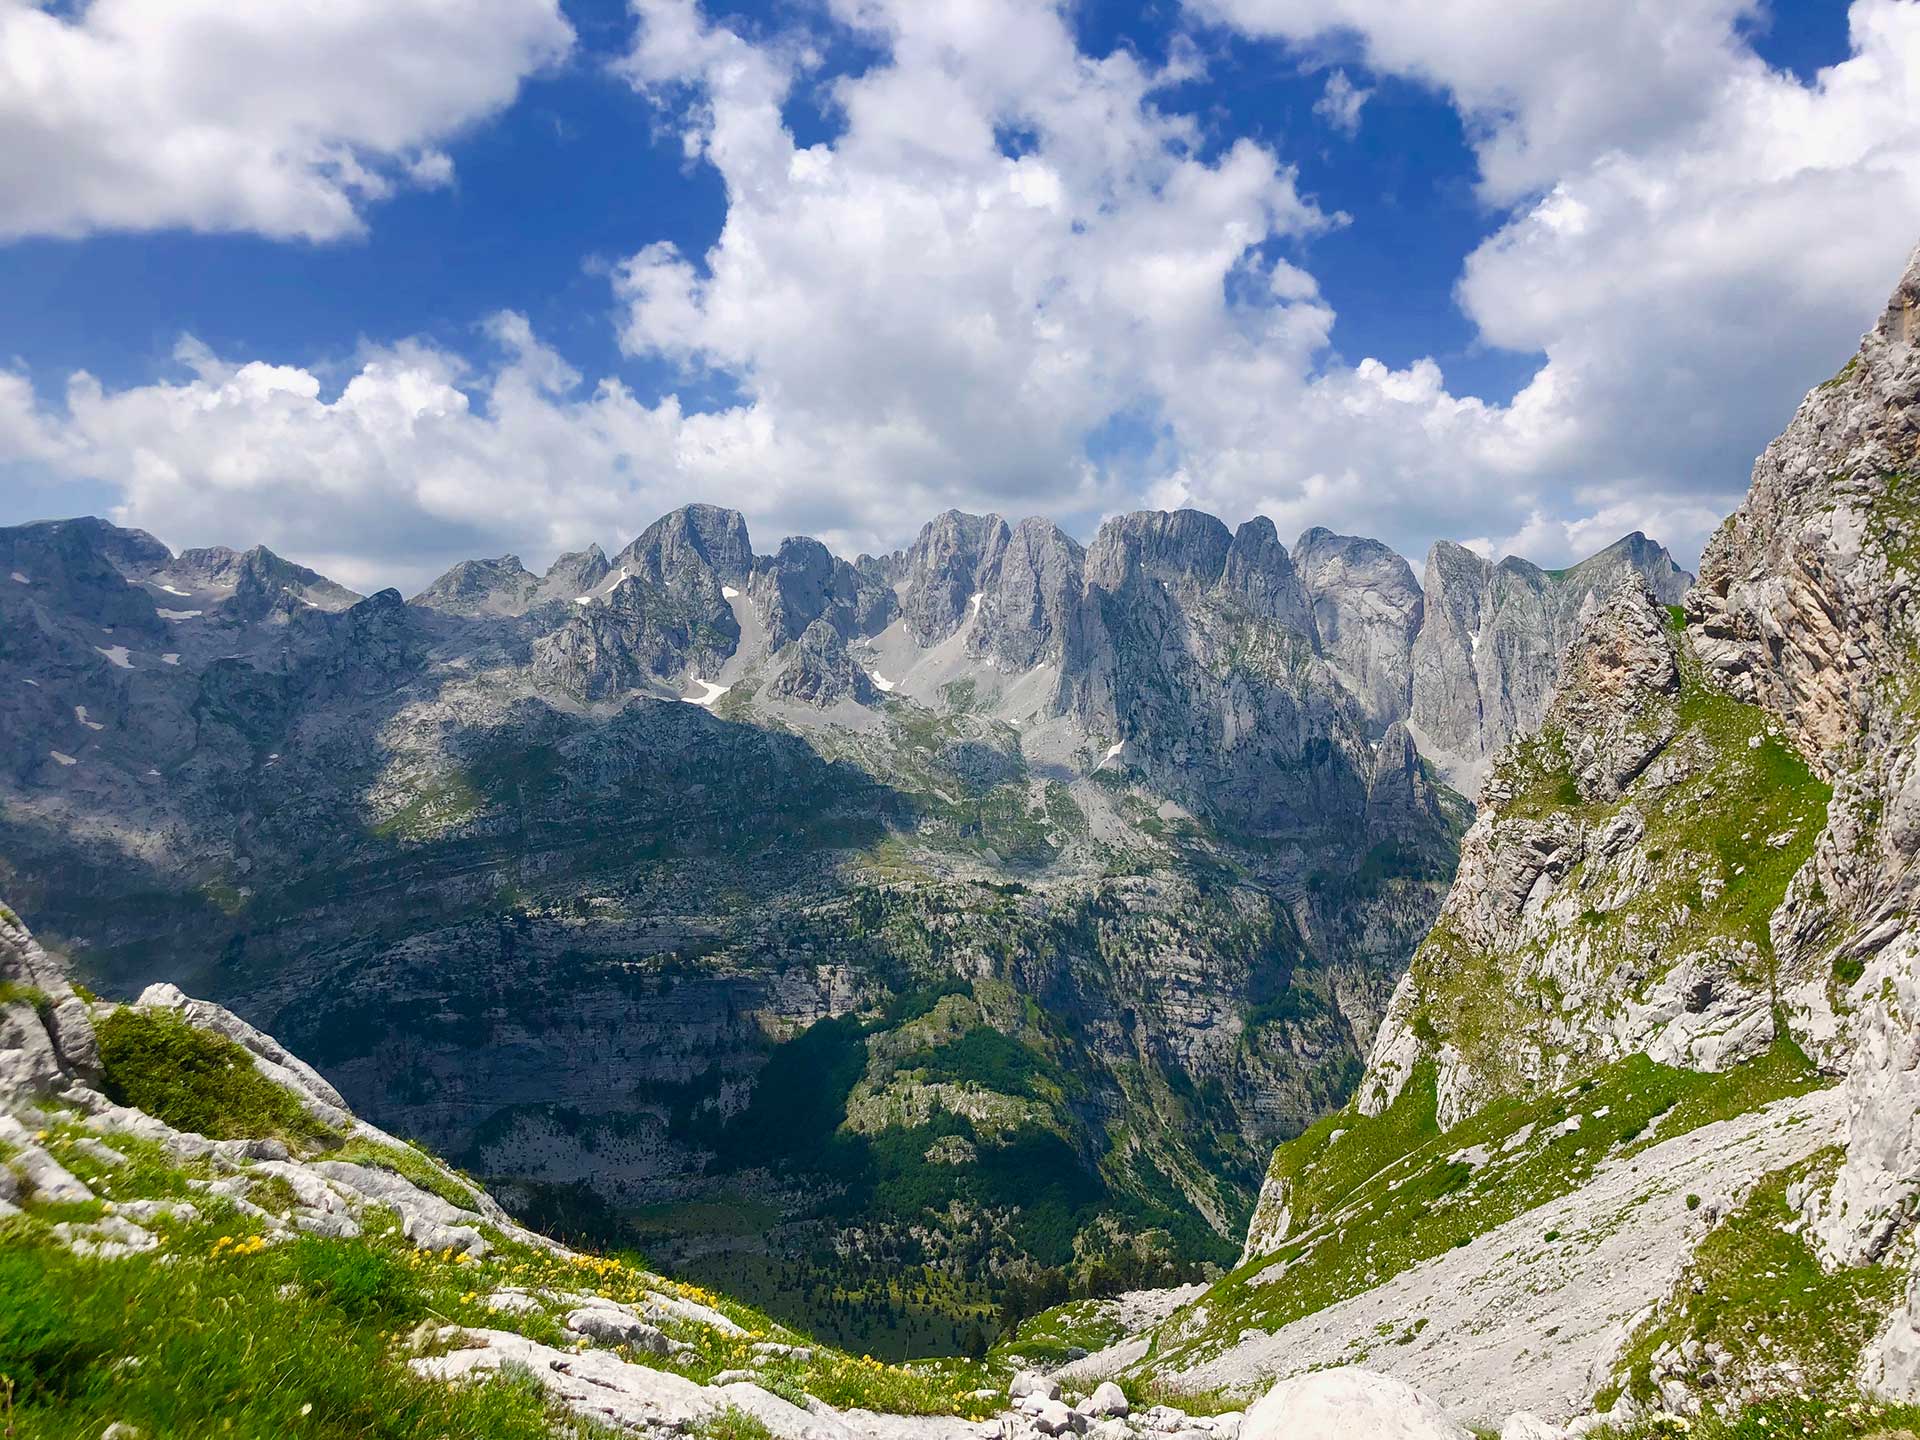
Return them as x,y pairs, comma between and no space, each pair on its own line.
157,1062
983,1056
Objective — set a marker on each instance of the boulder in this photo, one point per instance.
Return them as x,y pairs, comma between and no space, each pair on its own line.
1056,1417
1032,1382
1347,1402
1107,1399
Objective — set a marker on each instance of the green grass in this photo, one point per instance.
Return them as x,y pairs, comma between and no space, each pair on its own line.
12,992
1783,1070
1759,1292
1387,1193
155,1061
220,1351
733,1424
1836,1415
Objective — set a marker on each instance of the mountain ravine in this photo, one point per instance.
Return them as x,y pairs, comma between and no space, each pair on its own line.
1635,1146
994,906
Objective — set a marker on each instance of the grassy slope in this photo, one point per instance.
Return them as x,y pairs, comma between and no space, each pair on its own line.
227,1329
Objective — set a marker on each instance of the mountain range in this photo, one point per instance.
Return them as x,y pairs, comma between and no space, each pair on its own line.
1102,861
1632,1152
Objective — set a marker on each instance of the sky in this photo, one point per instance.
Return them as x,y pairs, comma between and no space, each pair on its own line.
385,284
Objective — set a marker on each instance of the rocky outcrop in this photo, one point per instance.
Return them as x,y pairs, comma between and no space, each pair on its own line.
482,587
1806,606
1403,803
250,584
818,671
1598,910
1487,657
577,573
1030,599
941,572
1367,609
1260,572
640,634
690,547
804,583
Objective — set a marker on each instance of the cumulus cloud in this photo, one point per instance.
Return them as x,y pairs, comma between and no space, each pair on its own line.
1019,277
1339,104
929,307
1689,252
282,118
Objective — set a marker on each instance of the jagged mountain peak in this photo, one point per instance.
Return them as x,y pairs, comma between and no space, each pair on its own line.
950,562
1179,548
695,537
502,586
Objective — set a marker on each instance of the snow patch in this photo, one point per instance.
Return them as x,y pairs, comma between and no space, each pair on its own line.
21,578
179,614
63,758
583,599
80,714
880,680
173,659
973,603
1113,750
118,654
183,594
153,774
729,592
714,692
25,681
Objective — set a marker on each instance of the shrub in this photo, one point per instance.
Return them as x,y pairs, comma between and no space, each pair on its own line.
157,1062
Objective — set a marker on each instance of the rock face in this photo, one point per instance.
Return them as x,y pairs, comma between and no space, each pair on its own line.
482,587
1367,610
820,672
804,583
1486,659
1701,863
945,568
1598,910
1031,598
1806,606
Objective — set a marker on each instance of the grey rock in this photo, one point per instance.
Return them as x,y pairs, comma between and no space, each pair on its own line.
1340,1403
1488,654
482,587
945,568
1032,1382
1367,609
613,1325
1029,598
804,583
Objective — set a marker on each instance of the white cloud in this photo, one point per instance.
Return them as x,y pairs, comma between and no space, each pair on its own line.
1690,252
920,314
1339,104
1011,252
284,118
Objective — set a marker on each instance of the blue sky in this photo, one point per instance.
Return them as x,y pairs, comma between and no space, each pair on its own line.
566,158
